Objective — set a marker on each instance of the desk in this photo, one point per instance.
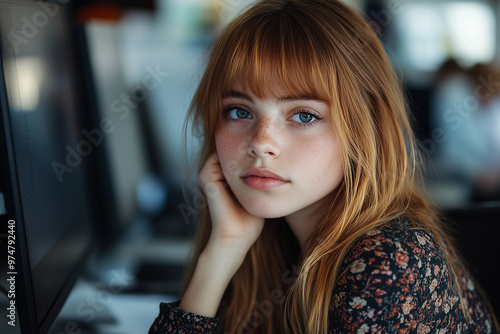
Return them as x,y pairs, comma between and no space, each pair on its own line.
90,309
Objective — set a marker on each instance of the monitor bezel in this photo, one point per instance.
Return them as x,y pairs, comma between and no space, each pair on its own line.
26,299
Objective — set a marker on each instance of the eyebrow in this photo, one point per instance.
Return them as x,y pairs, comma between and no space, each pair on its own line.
281,100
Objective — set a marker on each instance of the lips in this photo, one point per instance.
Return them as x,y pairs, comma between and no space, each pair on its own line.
262,179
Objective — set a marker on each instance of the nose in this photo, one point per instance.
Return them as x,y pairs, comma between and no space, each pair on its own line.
264,141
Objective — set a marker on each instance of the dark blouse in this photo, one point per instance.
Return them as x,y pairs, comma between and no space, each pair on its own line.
393,280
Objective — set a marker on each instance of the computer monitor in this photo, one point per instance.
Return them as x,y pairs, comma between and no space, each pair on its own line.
124,160
46,214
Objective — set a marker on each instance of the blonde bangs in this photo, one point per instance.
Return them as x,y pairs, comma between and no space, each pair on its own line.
277,50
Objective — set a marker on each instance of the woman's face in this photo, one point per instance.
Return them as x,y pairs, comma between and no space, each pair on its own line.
279,157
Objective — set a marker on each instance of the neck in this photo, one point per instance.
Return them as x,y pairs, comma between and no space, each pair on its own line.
303,222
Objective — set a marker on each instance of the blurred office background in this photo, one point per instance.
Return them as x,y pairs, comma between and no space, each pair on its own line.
446,52
147,58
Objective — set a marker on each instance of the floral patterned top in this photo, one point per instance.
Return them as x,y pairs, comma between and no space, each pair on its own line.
393,280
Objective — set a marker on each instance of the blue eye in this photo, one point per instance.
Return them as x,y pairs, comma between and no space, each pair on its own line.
237,113
304,117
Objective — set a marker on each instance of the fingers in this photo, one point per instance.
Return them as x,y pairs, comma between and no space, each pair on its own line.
211,173
232,225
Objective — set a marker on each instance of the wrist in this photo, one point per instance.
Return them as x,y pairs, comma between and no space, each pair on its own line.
214,270
228,260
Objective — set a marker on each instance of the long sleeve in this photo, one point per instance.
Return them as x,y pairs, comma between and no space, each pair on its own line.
173,319
396,280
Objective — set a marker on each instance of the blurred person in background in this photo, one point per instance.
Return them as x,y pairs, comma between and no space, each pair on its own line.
466,108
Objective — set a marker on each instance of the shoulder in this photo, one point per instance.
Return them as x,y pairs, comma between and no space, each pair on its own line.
389,279
398,252
398,243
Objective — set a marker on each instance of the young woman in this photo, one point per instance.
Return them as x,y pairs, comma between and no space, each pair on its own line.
309,167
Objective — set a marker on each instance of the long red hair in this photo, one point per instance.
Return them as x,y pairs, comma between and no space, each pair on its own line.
324,49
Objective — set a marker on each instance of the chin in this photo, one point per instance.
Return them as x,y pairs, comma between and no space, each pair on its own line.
267,210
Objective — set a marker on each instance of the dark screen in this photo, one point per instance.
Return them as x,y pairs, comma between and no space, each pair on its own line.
41,88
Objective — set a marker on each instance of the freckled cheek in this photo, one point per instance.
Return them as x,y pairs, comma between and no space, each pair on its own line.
310,151
319,157
230,149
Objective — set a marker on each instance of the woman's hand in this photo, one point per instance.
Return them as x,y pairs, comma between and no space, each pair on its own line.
234,230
